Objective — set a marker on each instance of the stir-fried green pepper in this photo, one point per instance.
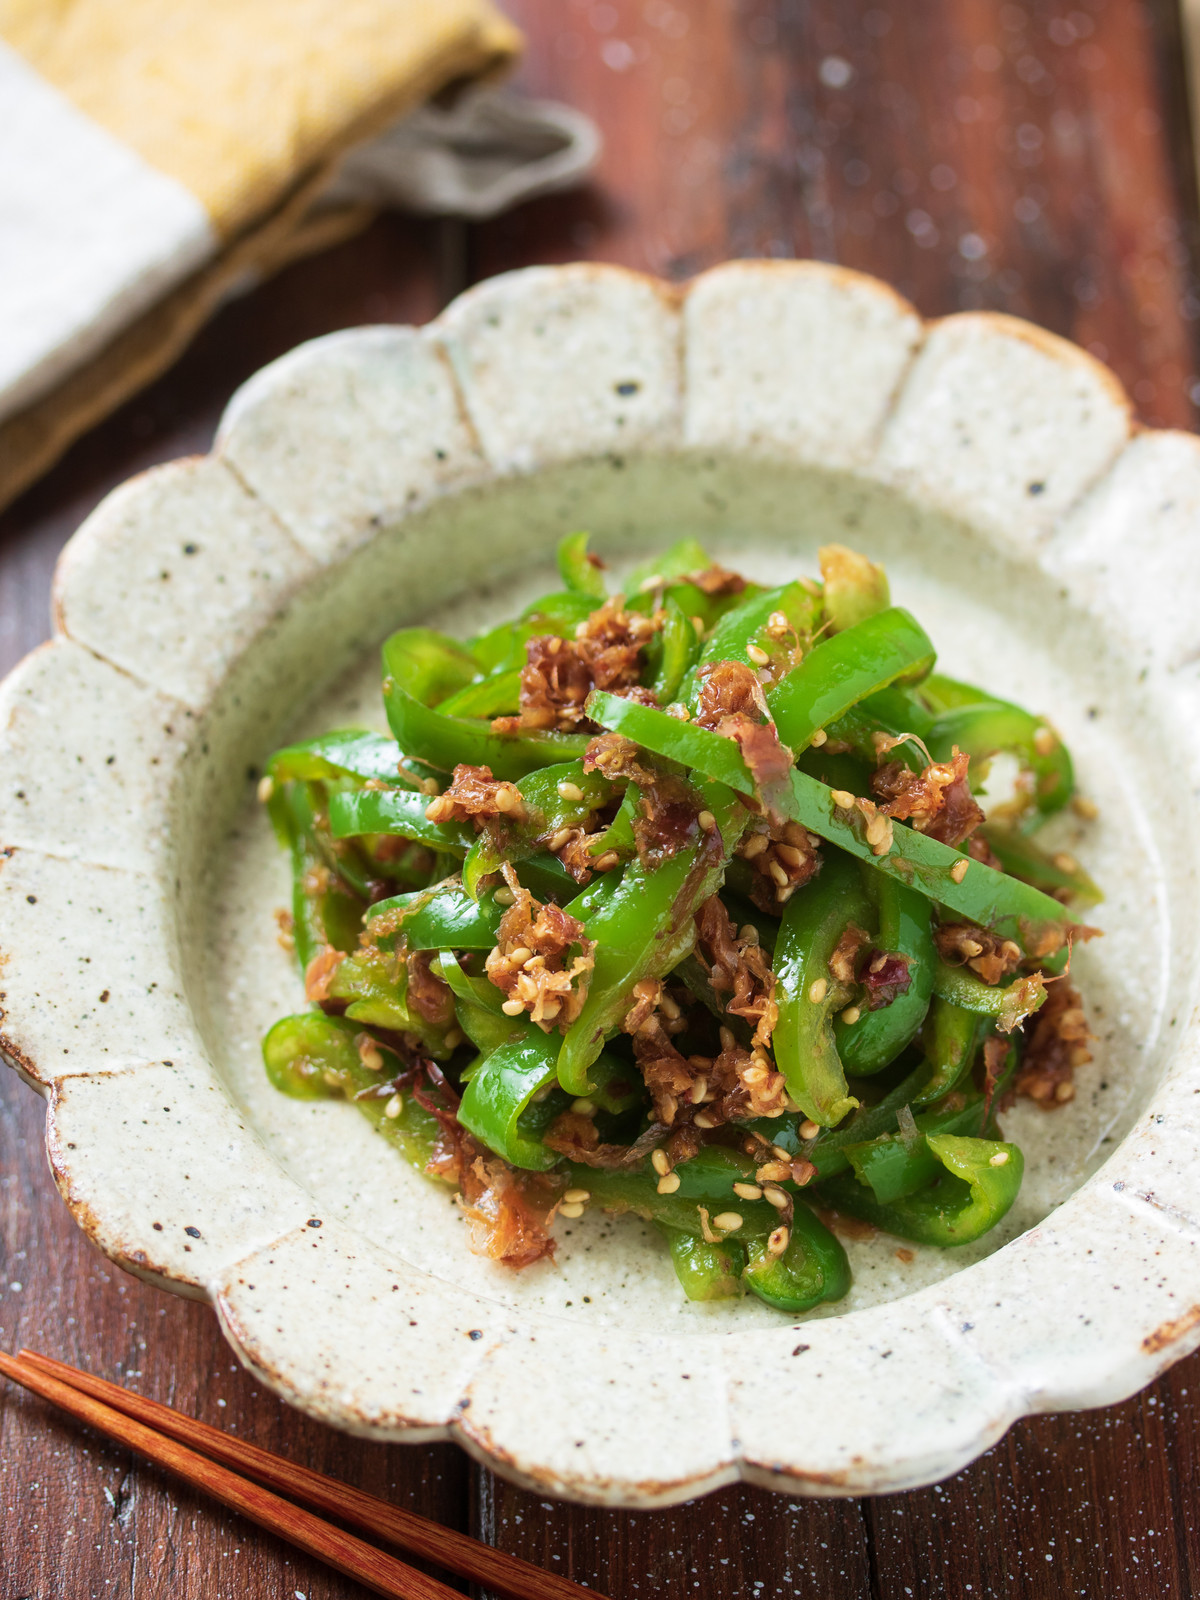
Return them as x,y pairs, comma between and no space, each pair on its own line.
763,1027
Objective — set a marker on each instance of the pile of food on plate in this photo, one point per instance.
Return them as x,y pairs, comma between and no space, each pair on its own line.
681,902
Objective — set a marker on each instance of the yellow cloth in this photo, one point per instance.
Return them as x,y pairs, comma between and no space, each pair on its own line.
249,104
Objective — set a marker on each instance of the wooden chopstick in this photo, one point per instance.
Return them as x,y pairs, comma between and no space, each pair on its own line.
348,1554
445,1547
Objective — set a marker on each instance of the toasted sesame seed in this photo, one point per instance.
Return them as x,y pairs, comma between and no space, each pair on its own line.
513,1008
818,738
786,893
1000,1159
755,845
429,786
703,1120
557,840
1044,741
577,1197
707,821
668,1183
570,791
780,1153
747,1191
654,581
570,1212
544,1093
727,1221
851,1014
728,1041
698,1090
504,897
809,1129
778,1241
777,622
817,990
520,955
775,1197
959,870
1064,1092
661,1162
668,1007
842,797
369,1053
607,861
584,1107
1079,1055
394,1107
773,1172
1010,950
789,854
1065,861
1085,808
266,788
779,872
758,655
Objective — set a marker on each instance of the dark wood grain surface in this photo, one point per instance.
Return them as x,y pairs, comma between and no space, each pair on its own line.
1031,158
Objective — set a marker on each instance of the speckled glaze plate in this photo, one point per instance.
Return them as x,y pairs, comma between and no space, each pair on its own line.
214,607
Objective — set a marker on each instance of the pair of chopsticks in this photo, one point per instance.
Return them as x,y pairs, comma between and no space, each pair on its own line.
244,1477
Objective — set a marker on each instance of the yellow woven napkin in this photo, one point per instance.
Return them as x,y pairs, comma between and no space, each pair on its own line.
154,151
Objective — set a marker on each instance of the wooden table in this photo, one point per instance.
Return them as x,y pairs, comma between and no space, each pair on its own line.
1031,158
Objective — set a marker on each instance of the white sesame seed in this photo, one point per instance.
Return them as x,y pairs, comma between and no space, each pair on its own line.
758,655
842,797
707,821
779,872
851,1014
809,1129
817,990
778,1241
1065,862
570,791
728,1041
959,870
1065,1091
266,788
1085,808
776,1198
755,845
698,1091
394,1107
332,1079
668,1183
557,840
703,1120
818,738
1044,741
607,861
584,1107
504,897
429,786
570,1212
661,1162
1000,1159
747,1191
519,956
786,893
577,1197
727,1221
369,1053
513,1008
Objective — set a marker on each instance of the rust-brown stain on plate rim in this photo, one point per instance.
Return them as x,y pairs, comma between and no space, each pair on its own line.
1168,1332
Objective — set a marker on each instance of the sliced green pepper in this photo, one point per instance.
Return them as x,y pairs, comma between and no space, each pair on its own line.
498,694
905,928
813,922
951,1036
706,1271
984,725
671,652
811,1269
578,571
836,674
325,910
348,753
400,811
855,587
1007,1004
500,1092
969,1198
1022,858
896,1165
444,917
547,810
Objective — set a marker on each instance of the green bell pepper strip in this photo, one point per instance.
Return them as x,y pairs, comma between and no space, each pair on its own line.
951,1038
1021,857
314,1057
444,917
502,649
349,753
855,587
496,695
744,626
681,560
559,613
893,712
376,985
328,915
905,927
580,574
500,1092
1006,1004
706,1271
546,878
836,674
636,1191
671,652
619,835
709,753
645,927
984,726
429,665
477,1006
444,741
546,811
401,811
811,1270
969,1198
803,1040
993,899
894,1166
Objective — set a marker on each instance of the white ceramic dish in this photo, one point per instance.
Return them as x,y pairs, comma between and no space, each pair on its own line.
213,607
